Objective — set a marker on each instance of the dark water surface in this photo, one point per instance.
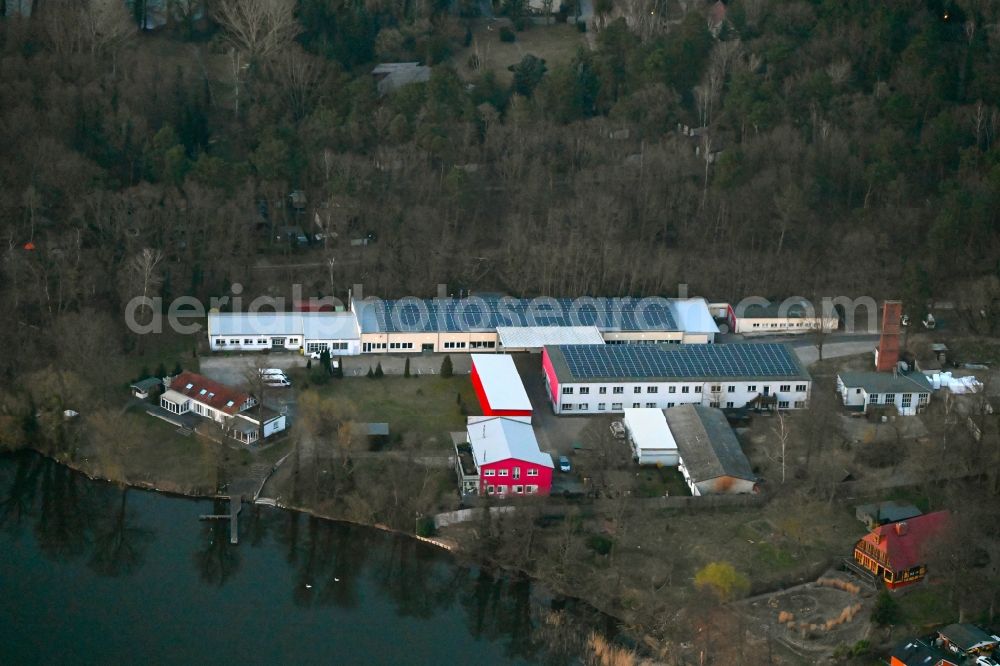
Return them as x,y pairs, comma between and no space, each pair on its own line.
93,573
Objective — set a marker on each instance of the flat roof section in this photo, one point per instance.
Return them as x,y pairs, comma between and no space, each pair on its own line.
637,362
648,429
536,337
478,313
500,382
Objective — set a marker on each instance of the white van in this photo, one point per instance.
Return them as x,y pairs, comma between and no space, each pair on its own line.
277,382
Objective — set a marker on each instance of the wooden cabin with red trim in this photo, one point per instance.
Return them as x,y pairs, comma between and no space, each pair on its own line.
498,386
896,552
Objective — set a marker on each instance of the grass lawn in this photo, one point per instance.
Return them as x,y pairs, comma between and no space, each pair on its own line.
555,44
656,482
425,406
925,607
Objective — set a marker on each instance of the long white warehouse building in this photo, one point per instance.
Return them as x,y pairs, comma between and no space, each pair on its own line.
608,379
469,324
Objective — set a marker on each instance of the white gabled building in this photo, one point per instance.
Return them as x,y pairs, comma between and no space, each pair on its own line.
592,379
337,332
238,414
909,392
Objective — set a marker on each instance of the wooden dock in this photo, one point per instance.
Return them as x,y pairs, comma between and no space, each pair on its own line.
235,504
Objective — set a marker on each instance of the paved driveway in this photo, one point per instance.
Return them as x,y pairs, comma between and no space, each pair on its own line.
394,364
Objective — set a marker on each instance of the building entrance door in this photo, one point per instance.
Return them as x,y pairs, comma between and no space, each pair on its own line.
427,347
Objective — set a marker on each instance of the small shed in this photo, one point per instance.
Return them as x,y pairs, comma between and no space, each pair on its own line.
882,513
710,456
498,386
143,388
651,440
968,639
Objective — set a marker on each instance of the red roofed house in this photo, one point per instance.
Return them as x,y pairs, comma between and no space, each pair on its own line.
190,392
502,458
499,386
895,552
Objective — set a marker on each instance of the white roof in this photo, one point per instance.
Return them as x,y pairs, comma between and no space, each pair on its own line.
536,337
502,438
330,326
501,383
648,429
310,325
175,397
693,316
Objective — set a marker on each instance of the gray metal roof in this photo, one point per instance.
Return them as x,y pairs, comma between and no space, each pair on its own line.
310,325
146,384
536,337
478,313
886,382
667,362
706,444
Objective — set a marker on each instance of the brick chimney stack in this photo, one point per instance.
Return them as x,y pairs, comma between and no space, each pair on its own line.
887,352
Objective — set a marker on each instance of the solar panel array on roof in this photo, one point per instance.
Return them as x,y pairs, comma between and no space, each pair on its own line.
686,361
486,314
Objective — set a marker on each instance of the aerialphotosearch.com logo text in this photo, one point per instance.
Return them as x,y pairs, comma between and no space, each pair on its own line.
186,315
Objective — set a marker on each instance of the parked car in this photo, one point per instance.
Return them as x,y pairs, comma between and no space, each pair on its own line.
564,465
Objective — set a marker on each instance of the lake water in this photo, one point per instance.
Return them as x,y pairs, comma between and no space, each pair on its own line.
93,573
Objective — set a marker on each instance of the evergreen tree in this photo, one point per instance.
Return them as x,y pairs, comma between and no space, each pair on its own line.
447,370
371,373
324,359
161,370
177,368
406,368
378,371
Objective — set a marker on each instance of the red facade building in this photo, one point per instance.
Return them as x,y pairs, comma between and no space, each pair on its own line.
498,386
896,552
507,458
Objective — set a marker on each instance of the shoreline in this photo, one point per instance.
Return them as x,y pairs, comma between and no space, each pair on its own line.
453,548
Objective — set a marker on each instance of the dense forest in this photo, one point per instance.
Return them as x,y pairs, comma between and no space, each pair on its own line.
754,147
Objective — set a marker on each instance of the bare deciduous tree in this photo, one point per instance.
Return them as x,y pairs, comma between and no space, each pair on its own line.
259,28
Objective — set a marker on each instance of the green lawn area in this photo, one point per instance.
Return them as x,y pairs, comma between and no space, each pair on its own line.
555,44
926,606
656,482
426,406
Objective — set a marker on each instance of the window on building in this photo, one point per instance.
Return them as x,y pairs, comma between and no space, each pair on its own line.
785,388
800,404
234,342
617,390
782,404
907,399
652,389
635,405
602,406
532,489
716,388
293,341
220,343
697,389
637,389
583,406
752,388
670,404
490,490
801,388
729,405
567,390
873,399
731,389
857,391
650,405
503,472
672,389
584,390
262,341
247,341
603,390
518,490
532,472
616,406
685,389
923,398
714,403
890,398
568,407
489,472
517,472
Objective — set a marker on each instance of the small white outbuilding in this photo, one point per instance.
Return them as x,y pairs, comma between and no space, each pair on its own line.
650,437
